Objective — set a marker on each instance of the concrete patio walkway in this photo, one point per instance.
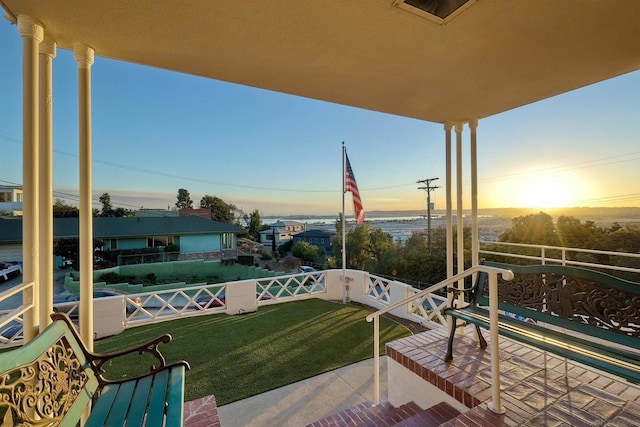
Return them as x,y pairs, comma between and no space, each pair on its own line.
309,400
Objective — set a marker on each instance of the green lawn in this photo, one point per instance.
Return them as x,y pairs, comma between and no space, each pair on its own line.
234,357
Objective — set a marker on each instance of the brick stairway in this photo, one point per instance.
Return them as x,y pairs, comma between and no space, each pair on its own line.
407,415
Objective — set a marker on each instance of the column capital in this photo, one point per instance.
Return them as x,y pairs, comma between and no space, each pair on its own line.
459,127
473,124
83,55
48,47
28,27
448,126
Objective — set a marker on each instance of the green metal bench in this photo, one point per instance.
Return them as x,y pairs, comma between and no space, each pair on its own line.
53,379
546,305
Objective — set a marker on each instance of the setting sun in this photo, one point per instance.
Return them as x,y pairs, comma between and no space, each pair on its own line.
540,191
546,193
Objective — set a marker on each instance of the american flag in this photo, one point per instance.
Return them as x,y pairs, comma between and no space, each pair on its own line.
350,185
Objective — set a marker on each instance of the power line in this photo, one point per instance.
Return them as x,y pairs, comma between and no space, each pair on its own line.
569,167
611,199
562,168
205,181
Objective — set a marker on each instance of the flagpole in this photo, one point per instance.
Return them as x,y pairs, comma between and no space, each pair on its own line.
344,226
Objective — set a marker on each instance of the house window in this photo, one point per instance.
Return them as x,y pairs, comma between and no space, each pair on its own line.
227,240
159,241
113,244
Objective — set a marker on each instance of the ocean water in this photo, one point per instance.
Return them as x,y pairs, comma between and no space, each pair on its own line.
402,227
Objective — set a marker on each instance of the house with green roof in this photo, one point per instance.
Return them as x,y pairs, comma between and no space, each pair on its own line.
194,236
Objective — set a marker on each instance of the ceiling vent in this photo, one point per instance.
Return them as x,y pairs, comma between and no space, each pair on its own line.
438,11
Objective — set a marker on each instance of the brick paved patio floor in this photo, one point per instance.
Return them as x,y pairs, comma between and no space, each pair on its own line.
538,388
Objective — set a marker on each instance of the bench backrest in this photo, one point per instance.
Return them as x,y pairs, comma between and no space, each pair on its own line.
48,381
579,299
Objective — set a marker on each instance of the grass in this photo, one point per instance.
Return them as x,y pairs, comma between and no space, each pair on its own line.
234,357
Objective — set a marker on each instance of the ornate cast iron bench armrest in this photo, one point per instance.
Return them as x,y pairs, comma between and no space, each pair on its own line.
98,360
456,293
53,379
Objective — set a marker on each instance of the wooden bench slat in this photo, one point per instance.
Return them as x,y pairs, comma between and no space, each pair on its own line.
101,409
120,409
157,401
110,403
175,411
140,399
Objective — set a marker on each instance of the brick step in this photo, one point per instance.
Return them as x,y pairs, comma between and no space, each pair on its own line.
407,415
433,416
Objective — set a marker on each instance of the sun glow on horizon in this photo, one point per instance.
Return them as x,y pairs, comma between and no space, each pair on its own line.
540,191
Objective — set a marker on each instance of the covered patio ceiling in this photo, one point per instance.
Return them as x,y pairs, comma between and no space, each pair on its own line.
493,56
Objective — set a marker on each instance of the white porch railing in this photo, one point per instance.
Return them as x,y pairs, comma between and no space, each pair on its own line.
283,288
11,321
561,255
495,404
380,292
205,299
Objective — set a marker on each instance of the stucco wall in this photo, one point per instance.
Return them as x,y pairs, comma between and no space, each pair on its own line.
203,243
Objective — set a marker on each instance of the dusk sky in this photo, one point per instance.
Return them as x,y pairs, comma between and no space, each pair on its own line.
156,131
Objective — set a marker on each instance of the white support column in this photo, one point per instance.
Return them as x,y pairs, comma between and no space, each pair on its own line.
32,34
84,57
475,245
449,201
460,220
47,53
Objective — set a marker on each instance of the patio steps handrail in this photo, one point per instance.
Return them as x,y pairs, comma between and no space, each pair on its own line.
493,273
450,281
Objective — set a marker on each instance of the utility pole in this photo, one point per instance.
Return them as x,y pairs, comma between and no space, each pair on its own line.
428,188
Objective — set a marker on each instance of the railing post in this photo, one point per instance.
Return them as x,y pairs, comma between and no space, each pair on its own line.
495,404
376,360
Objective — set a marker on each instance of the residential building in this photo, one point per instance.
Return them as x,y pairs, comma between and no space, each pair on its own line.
281,232
320,238
196,237
11,200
